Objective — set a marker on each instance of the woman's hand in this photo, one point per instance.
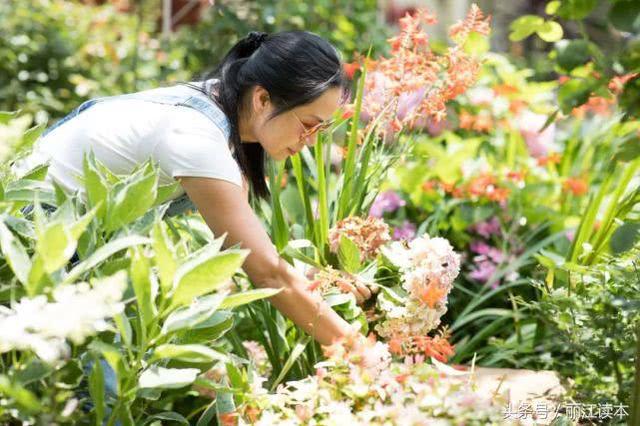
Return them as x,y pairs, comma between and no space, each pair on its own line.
362,291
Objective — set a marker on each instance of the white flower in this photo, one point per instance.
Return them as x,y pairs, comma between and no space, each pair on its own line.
77,312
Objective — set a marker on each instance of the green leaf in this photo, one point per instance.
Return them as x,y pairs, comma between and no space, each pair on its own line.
550,31
199,311
95,185
102,254
625,15
187,353
167,378
164,257
576,9
572,53
242,298
207,272
208,330
124,327
142,287
552,7
165,191
96,390
56,246
133,199
26,400
30,136
302,343
349,255
15,254
113,358
625,237
524,26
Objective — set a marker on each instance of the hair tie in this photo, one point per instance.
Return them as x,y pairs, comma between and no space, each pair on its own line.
256,38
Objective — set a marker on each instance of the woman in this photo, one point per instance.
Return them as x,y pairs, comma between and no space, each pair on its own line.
270,94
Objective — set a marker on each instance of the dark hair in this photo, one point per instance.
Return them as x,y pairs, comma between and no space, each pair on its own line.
295,67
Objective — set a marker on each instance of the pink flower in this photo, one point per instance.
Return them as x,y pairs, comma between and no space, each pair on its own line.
387,201
487,228
540,144
406,231
483,271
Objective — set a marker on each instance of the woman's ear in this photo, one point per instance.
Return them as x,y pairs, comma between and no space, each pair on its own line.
261,100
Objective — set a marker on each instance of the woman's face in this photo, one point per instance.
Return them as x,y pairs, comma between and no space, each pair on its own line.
284,134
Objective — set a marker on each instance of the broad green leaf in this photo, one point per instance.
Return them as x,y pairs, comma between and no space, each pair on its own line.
95,184
550,31
30,136
124,327
167,378
524,26
552,7
6,116
15,254
133,199
208,330
244,297
205,273
26,400
141,282
37,173
164,257
96,390
102,254
165,191
113,357
349,255
55,246
187,317
187,353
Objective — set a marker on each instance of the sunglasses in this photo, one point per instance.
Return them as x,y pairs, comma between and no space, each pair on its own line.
309,131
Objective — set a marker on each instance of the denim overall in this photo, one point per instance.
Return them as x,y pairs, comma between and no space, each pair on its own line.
177,96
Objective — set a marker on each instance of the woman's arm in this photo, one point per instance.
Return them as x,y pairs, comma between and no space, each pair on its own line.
225,208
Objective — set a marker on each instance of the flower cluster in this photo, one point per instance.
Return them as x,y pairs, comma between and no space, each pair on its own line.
77,312
428,267
368,234
345,390
417,82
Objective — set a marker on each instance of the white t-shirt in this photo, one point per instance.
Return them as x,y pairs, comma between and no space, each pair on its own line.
124,133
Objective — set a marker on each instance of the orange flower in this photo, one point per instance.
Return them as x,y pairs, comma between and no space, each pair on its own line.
577,186
596,105
414,68
616,85
475,21
552,158
432,294
351,68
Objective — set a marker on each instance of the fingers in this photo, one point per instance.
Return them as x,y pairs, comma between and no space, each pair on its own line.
364,291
